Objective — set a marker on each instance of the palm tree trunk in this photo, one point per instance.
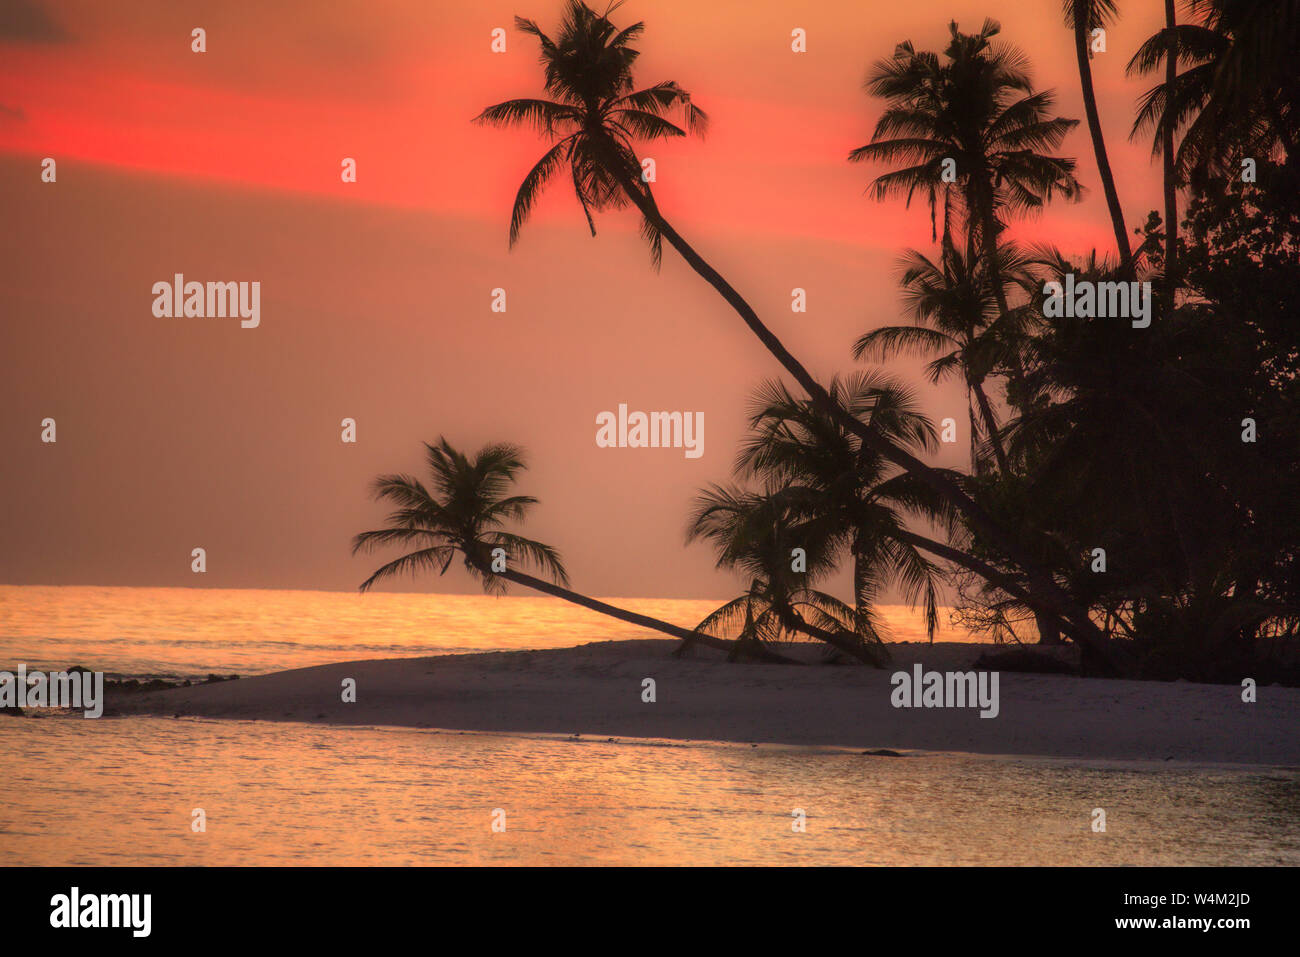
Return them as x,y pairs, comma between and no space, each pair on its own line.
859,595
838,640
860,603
974,429
1049,632
989,226
634,618
1012,586
1167,145
1099,146
1047,594
991,425
872,439
1087,639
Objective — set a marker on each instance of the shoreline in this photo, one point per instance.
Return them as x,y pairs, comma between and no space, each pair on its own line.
595,691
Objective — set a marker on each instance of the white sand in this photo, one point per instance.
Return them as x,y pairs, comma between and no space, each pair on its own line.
595,690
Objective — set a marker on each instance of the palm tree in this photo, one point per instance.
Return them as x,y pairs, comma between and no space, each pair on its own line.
1162,48
757,533
957,319
1084,16
977,108
1166,46
1239,96
593,119
851,499
763,619
464,511
1252,99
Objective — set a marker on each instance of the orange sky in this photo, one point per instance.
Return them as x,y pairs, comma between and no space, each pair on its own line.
225,165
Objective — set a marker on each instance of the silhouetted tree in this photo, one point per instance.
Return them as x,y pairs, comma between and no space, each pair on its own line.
465,511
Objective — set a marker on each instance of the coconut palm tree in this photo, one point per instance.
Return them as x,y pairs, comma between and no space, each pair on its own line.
1084,16
594,117
758,533
759,618
957,320
1238,95
848,499
848,495
1162,49
1251,104
464,511
978,109
827,494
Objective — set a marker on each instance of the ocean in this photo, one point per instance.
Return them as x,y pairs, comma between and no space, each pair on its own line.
194,632
130,790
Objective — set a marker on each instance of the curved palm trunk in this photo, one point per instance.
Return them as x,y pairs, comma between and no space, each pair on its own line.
873,440
837,640
1047,594
1007,583
1048,624
1099,145
644,621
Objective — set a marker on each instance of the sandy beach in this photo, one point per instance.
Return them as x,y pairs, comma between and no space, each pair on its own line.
596,690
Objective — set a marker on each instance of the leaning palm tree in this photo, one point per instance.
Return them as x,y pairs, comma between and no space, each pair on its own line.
844,500
1084,16
465,511
593,118
976,116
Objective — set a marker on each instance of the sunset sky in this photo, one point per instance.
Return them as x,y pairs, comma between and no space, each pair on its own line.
177,433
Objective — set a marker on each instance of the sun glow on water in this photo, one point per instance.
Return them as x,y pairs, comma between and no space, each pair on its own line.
193,632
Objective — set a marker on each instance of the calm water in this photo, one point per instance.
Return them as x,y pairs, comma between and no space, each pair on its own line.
122,790
115,791
189,632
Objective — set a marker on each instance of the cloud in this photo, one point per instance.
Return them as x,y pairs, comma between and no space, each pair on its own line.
27,21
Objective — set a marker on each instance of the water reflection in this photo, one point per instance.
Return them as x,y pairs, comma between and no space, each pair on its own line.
122,791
